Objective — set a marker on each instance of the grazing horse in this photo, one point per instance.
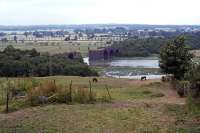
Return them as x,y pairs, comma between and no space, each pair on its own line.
143,78
94,80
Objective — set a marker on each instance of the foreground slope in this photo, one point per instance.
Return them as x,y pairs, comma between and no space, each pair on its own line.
137,106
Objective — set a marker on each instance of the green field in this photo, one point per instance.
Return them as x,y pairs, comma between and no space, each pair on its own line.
136,107
55,47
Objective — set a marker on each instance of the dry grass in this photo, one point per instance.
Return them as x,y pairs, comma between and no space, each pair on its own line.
133,109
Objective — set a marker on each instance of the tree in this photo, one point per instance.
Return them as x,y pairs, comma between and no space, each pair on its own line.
16,62
175,58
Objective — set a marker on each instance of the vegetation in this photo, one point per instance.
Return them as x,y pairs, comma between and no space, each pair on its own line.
175,58
136,47
136,107
15,62
193,76
55,47
140,47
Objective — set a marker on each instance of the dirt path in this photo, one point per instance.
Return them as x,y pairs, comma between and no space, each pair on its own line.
170,96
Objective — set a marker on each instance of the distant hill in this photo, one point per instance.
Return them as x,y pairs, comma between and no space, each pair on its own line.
150,46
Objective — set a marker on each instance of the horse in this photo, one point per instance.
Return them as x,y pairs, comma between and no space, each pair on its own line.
95,80
143,78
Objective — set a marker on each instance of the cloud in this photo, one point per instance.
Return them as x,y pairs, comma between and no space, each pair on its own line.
99,11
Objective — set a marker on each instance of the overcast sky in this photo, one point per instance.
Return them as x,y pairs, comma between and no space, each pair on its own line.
35,12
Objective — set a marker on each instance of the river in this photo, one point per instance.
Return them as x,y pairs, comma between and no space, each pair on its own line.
131,68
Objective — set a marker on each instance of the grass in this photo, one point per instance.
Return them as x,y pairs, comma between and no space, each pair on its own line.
187,116
86,119
136,107
55,47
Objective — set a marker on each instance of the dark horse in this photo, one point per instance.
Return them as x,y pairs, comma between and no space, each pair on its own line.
143,78
94,80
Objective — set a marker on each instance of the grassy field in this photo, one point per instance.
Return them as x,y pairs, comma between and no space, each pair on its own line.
55,47
136,107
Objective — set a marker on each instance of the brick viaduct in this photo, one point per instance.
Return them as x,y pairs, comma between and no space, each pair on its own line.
103,54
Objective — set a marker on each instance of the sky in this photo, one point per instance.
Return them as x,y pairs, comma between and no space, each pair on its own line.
44,12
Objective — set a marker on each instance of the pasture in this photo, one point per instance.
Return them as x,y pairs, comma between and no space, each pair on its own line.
136,106
55,47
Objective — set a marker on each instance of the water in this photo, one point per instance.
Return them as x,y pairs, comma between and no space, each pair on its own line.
135,63
86,60
130,68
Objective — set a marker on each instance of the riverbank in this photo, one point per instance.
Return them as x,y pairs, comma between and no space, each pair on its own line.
130,68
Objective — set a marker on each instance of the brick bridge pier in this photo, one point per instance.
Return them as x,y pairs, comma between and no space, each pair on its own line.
103,54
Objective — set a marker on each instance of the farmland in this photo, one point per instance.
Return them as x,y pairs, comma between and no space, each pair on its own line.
55,47
136,106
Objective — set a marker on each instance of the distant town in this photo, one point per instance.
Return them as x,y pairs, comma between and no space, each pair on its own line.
105,32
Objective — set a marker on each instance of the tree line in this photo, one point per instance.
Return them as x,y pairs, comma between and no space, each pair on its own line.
15,63
135,47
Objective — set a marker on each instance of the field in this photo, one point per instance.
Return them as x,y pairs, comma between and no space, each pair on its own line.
136,107
55,47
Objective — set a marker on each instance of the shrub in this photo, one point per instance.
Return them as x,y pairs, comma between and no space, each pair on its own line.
194,77
63,95
82,95
49,92
38,95
182,87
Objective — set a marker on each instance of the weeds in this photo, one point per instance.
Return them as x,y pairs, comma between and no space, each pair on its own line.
23,92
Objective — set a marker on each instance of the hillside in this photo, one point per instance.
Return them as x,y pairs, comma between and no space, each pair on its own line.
151,46
137,106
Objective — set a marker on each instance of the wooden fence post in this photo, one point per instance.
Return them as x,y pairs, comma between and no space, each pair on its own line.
70,92
7,95
108,92
90,90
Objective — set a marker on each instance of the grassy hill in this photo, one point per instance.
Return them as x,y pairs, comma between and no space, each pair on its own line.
57,47
136,106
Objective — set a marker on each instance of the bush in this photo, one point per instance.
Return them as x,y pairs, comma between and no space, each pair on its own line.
83,95
194,77
40,94
182,87
49,92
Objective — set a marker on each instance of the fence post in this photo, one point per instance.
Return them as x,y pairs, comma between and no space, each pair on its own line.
90,90
70,92
7,95
108,92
